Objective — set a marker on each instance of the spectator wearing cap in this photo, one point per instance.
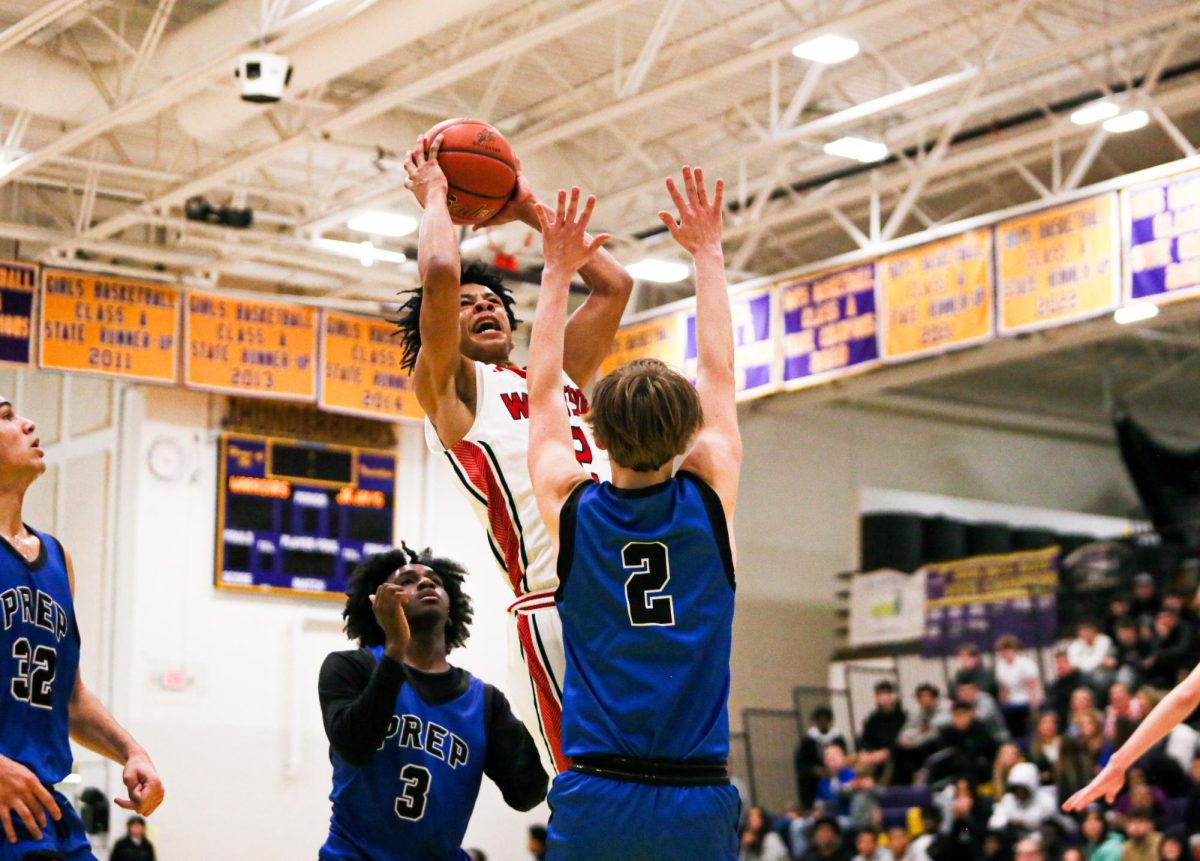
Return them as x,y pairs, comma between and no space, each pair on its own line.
881,730
1093,654
826,842
1141,840
810,754
1172,652
1020,685
971,668
966,748
987,711
1022,809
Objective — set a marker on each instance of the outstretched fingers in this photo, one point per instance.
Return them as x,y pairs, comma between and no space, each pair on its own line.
689,184
573,209
719,195
676,197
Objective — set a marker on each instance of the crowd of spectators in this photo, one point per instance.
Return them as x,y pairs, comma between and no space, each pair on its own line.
978,773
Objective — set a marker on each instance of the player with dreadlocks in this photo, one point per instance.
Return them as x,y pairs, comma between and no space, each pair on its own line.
395,707
458,341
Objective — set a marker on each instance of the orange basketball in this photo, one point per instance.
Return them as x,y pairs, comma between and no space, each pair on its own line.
479,165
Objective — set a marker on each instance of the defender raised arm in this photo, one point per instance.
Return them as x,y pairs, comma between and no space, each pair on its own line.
717,455
553,467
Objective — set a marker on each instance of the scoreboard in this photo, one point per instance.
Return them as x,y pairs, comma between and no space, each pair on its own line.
296,517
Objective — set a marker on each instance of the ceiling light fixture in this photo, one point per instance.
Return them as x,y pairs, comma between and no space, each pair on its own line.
379,223
1096,112
365,253
828,49
858,149
1135,313
1129,122
658,271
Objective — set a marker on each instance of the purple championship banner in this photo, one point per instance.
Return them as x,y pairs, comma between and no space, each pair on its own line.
18,291
976,600
1163,236
753,342
829,325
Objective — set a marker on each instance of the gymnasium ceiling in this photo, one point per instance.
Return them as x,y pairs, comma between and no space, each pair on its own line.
114,112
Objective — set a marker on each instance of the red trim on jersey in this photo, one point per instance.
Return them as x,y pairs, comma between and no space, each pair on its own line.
548,706
478,470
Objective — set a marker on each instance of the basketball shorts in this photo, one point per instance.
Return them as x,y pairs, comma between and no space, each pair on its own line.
600,819
64,840
536,664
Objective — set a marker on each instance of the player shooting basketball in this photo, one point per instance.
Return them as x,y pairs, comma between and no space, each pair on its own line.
458,342
645,565
43,700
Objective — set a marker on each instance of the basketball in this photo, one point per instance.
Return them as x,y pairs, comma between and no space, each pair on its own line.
479,166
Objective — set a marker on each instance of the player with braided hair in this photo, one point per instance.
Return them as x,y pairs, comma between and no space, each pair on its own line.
411,736
457,335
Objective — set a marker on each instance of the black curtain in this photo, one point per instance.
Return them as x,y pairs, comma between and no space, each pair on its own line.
1167,481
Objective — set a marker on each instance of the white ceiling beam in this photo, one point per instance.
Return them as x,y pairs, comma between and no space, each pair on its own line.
1182,14
735,67
380,103
43,16
632,84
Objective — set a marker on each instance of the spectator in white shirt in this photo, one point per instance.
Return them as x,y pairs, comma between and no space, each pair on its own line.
1020,684
1092,653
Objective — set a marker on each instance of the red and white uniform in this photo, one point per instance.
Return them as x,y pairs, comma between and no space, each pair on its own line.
491,463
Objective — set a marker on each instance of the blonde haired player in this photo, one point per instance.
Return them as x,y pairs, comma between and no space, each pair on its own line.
457,333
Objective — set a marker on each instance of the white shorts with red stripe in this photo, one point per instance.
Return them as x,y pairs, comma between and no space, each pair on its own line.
536,664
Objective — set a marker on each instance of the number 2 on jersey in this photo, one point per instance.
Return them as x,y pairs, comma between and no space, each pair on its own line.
410,803
651,571
583,450
35,674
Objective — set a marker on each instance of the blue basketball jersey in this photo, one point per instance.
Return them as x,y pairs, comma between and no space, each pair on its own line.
646,601
39,659
413,800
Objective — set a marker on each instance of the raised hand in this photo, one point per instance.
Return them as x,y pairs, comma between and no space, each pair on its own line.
388,605
699,223
425,175
1107,784
565,245
520,206
145,788
23,796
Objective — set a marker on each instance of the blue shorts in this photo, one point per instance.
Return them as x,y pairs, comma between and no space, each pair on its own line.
63,839
599,819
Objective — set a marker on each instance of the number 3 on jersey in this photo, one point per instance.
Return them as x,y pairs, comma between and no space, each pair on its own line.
410,803
651,571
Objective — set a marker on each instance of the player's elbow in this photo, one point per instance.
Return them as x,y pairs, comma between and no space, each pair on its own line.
440,272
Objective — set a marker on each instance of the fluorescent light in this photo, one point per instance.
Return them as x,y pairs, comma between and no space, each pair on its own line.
659,271
858,149
826,49
1095,112
380,223
1135,313
364,252
1127,122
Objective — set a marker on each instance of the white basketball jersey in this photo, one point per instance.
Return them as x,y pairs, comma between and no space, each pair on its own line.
492,466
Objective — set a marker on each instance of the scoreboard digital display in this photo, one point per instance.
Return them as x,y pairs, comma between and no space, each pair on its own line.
296,517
